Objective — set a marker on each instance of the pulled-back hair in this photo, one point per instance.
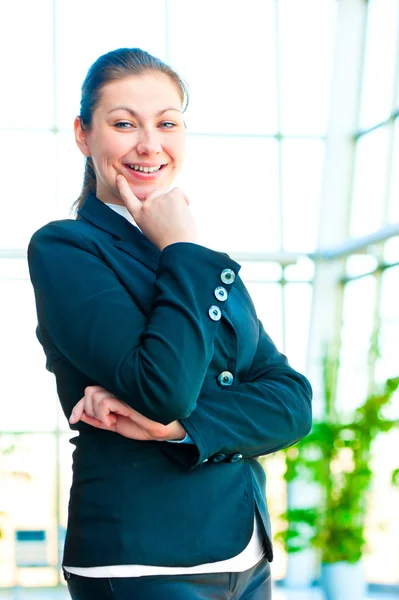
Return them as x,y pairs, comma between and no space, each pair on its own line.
112,66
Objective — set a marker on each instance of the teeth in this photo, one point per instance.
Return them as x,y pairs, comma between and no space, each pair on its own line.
144,169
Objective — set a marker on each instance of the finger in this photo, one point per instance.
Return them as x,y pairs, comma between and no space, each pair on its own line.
131,201
95,422
77,411
93,395
155,194
96,400
90,389
88,400
107,409
106,417
178,193
129,429
143,421
103,404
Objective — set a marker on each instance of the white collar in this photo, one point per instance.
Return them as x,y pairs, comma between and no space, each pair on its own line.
123,211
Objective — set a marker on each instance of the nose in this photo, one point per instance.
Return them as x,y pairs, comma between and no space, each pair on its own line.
149,142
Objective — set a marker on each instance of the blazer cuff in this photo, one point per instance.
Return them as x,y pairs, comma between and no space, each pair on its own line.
190,455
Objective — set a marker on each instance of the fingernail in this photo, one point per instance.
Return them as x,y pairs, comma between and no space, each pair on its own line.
72,418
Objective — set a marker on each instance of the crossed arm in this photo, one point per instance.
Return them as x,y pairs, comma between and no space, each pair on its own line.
268,411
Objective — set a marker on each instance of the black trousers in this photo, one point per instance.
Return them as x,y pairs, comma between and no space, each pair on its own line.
253,584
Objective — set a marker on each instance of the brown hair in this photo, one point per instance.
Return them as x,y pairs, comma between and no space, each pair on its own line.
112,66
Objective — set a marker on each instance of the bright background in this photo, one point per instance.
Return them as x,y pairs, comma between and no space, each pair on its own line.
293,152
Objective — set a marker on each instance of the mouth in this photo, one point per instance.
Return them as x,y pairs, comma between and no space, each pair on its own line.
145,168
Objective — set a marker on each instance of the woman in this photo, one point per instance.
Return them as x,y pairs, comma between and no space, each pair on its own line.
153,339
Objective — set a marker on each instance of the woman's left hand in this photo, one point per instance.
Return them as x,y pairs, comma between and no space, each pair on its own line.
99,408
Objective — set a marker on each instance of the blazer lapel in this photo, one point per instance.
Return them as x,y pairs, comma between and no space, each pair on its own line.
129,237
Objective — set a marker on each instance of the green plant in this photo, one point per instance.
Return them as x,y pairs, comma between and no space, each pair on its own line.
336,456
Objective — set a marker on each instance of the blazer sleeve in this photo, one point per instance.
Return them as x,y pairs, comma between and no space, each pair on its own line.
154,363
269,411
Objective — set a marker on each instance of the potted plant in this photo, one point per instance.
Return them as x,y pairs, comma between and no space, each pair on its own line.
336,456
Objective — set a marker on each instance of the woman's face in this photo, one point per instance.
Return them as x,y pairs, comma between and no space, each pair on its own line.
137,130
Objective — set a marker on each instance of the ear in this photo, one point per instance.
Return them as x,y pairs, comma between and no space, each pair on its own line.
81,137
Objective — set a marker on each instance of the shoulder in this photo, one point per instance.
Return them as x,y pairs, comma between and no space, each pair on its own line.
66,231
63,247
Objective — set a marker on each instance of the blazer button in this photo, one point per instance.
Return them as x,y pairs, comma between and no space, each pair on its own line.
225,378
221,293
227,276
215,313
218,458
235,458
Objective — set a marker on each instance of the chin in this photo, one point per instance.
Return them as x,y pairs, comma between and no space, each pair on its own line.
141,194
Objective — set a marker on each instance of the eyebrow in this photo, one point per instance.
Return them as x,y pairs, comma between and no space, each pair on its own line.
134,114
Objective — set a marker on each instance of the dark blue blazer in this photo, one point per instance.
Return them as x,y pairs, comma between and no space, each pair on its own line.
115,311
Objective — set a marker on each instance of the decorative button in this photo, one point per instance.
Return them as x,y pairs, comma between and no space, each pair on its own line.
218,458
221,293
215,313
235,458
227,276
225,378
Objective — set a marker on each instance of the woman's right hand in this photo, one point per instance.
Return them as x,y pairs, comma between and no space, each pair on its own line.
163,217
99,408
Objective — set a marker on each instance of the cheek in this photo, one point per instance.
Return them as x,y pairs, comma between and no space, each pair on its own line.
107,148
179,151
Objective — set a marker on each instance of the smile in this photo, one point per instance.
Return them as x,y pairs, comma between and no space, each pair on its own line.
145,169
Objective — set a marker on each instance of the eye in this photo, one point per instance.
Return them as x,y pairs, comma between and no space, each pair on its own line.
124,125
168,125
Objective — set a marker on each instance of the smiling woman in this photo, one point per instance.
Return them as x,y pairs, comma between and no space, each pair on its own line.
142,328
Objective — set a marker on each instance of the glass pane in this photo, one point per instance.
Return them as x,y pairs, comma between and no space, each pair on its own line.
391,251
306,45
235,201
298,298
27,189
388,365
384,523
232,76
302,165
382,532
28,400
27,482
260,271
357,328
302,270
69,169
369,192
393,214
360,264
391,248
66,449
380,62
268,302
130,23
26,48
14,268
